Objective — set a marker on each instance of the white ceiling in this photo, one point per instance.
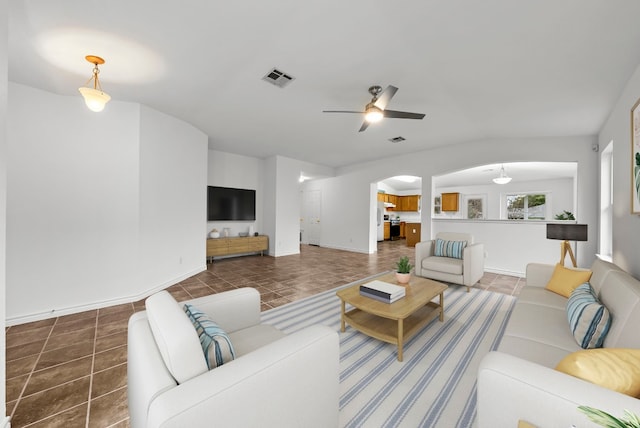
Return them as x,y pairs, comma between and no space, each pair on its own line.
518,171
478,70
482,175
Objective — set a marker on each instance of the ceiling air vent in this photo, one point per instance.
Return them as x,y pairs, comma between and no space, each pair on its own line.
397,139
278,78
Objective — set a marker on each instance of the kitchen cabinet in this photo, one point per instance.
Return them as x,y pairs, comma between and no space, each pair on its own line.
450,201
402,203
403,229
411,203
413,234
387,230
394,200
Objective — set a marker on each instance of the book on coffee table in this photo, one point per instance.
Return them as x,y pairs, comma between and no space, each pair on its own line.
382,291
379,298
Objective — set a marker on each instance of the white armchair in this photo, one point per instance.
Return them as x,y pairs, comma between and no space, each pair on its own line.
466,271
275,380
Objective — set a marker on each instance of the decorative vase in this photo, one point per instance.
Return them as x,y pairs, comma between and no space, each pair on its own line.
403,278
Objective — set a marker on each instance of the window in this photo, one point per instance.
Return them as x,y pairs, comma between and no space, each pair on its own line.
527,206
606,203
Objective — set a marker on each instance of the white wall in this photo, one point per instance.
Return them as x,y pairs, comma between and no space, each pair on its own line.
509,245
284,199
288,207
78,191
173,173
561,195
626,227
3,195
278,197
242,172
348,207
346,227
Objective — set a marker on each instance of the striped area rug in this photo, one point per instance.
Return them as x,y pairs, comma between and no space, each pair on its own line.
435,386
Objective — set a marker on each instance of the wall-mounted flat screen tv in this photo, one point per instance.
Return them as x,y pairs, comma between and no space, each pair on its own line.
227,204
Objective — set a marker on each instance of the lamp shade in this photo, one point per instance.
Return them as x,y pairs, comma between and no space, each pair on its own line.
95,99
503,178
373,114
567,232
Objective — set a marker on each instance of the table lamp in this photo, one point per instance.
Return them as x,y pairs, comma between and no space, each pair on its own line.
566,233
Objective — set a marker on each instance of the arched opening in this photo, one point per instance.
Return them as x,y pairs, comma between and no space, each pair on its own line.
398,203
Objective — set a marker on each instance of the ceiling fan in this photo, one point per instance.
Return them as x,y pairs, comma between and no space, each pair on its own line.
376,109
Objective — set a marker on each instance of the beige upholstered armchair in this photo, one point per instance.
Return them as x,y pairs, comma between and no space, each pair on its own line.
451,257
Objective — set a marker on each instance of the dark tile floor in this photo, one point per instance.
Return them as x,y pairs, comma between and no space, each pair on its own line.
71,371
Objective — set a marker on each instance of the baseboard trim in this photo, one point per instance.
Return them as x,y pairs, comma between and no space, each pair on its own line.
353,250
504,272
6,423
22,319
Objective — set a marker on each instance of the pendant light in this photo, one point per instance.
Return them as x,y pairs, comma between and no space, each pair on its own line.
503,179
94,97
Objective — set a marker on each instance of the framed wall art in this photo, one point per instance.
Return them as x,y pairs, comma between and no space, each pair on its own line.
474,206
635,158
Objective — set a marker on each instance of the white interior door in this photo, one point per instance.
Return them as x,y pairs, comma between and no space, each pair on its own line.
312,229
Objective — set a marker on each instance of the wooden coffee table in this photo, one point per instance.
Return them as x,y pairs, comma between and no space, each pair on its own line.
393,322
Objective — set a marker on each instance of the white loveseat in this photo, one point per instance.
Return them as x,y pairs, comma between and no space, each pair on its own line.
519,382
276,380
466,271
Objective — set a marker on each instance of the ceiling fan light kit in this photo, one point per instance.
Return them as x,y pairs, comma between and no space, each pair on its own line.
375,110
373,114
503,178
95,98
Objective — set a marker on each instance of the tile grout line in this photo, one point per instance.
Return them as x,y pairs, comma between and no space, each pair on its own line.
227,278
93,362
24,387
112,391
53,415
117,423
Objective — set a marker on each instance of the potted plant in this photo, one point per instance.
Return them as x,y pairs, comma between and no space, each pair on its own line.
607,420
565,215
403,270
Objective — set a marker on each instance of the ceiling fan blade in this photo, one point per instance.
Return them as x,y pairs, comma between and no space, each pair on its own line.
402,114
364,126
342,111
385,97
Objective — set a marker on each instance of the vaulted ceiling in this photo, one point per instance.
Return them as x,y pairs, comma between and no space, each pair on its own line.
478,70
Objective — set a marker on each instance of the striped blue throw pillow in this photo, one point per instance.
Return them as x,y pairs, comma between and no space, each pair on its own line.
589,319
452,249
215,342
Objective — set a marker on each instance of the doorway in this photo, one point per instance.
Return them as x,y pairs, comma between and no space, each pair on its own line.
311,211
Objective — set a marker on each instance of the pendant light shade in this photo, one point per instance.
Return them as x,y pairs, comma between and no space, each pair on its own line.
503,178
94,98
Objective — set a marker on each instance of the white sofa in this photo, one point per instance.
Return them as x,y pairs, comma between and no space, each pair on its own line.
518,381
276,380
466,271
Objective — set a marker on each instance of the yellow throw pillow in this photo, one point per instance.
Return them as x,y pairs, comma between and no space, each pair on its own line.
565,280
613,368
